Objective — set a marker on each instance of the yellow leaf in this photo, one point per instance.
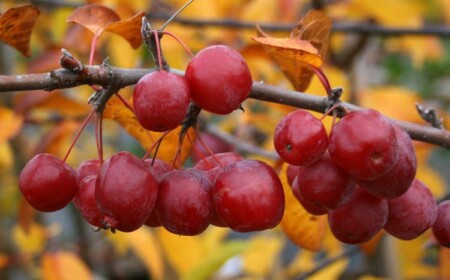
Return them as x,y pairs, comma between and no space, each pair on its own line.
411,255
419,49
260,11
129,29
143,243
93,17
214,260
10,123
261,256
118,112
386,100
182,252
304,229
16,26
444,263
64,265
432,179
31,242
6,156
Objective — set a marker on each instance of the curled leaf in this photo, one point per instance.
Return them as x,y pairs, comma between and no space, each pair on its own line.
129,29
16,26
93,17
302,228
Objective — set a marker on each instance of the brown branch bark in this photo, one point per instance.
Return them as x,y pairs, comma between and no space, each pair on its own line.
338,27
120,77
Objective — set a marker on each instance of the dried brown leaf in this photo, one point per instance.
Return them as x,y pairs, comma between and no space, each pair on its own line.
94,17
129,29
16,26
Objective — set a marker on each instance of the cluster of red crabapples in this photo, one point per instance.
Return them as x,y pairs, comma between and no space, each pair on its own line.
362,175
125,192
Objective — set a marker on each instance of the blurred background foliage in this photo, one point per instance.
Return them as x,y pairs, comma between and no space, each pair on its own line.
387,73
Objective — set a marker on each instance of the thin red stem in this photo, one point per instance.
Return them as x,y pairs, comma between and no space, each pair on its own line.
93,43
323,79
83,125
155,144
208,149
99,135
125,102
158,49
197,151
179,42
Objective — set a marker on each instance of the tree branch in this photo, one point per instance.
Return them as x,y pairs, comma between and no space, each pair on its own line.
101,75
338,27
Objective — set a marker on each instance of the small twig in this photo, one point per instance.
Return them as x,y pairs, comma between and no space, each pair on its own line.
338,27
62,78
430,116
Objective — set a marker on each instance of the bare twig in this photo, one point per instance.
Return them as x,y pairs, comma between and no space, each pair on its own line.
338,27
99,75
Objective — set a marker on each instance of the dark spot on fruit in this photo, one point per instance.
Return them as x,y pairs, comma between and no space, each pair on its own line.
288,147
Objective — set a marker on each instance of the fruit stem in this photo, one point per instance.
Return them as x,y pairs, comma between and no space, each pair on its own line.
175,14
156,144
180,42
158,49
99,135
208,149
125,102
83,125
323,79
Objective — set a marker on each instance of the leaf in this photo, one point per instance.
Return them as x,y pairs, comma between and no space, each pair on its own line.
304,229
118,112
129,29
26,215
10,123
16,26
144,244
444,263
294,57
32,241
94,17
262,254
4,260
213,262
64,265
315,28
57,140
307,47
98,18
182,252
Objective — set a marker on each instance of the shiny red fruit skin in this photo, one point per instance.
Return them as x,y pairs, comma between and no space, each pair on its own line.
399,178
184,203
86,203
125,191
158,167
300,138
412,213
213,164
87,168
291,173
324,183
161,100
441,228
47,183
359,219
219,79
248,196
364,144
311,207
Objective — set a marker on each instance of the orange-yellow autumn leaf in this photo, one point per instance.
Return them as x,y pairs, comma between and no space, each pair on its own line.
26,215
315,28
129,29
97,18
444,263
117,111
32,241
10,123
4,260
304,229
16,26
64,265
94,17
304,50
